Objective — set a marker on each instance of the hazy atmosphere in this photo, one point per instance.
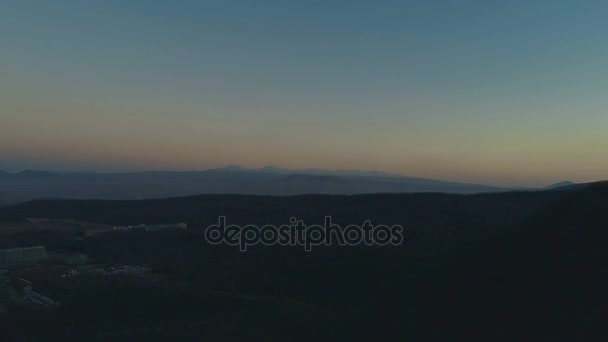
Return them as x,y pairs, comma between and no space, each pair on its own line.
265,170
507,93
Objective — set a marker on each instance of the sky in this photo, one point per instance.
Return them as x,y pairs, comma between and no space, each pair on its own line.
495,92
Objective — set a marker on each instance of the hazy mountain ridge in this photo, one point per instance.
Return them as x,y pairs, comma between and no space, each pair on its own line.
567,186
233,179
560,184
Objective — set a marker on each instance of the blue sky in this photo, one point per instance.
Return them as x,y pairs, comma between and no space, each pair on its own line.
500,92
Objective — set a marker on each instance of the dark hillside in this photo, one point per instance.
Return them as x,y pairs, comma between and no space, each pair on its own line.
430,218
519,266
545,280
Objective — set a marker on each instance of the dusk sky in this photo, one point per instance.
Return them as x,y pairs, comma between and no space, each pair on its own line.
494,92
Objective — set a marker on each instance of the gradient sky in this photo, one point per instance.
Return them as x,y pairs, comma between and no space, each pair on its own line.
496,92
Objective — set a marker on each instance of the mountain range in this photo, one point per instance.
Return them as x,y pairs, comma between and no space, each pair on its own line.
269,180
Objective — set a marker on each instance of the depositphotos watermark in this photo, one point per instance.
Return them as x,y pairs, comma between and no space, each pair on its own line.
298,234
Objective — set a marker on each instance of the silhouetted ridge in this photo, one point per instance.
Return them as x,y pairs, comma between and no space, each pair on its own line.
313,178
34,174
560,184
541,275
229,180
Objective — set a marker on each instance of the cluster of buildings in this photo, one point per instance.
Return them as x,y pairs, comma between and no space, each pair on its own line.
18,256
22,255
48,220
25,287
142,227
125,269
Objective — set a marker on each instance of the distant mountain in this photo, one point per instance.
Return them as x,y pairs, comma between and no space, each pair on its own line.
567,186
310,171
313,178
560,184
322,172
230,168
274,169
34,174
270,180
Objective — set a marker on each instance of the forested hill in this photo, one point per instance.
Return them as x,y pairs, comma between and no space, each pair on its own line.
533,268
204,209
427,217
